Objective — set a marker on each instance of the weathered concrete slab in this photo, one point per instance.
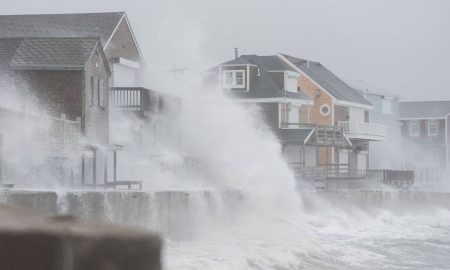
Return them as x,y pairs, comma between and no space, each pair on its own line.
34,241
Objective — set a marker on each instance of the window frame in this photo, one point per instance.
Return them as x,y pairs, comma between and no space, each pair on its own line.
92,90
436,122
411,133
234,84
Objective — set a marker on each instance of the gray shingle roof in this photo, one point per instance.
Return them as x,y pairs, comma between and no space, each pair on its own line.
424,109
8,47
293,135
60,25
327,80
264,86
52,53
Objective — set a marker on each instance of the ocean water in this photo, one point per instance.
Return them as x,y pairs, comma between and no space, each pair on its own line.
224,230
327,236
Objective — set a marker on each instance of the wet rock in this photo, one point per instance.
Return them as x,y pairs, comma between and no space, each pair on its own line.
31,241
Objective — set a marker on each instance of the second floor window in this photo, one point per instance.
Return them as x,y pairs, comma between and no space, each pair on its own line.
414,128
233,79
432,127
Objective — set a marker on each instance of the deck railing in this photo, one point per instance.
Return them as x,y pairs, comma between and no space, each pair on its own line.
399,178
356,129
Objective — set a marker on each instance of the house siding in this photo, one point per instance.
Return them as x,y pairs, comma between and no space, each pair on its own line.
95,118
310,88
385,154
58,92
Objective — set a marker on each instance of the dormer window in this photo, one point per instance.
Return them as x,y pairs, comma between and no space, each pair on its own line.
291,81
233,79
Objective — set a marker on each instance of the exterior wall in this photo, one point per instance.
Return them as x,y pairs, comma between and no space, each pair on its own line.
58,92
385,154
341,113
423,137
310,89
122,45
356,114
95,119
427,155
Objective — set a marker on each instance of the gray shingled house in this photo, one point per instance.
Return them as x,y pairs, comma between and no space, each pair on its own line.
321,121
425,137
67,63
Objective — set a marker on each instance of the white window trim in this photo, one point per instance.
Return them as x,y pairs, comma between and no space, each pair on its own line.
233,85
291,75
437,127
411,128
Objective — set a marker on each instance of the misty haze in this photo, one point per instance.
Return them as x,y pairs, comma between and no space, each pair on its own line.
224,135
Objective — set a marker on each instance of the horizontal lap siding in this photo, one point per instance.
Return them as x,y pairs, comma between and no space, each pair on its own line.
96,119
310,89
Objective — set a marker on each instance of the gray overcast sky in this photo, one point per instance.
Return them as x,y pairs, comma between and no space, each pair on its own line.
401,46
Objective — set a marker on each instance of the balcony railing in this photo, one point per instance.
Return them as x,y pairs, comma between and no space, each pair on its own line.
364,130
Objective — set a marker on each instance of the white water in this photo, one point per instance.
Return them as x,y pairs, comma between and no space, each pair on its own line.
215,230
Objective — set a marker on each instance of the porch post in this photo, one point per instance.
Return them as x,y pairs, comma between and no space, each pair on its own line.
82,170
105,167
94,168
115,166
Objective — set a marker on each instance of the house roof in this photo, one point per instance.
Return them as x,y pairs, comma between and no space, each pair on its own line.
294,136
49,53
264,86
60,25
328,80
424,109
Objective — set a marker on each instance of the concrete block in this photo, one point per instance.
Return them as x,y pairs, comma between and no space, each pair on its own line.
34,241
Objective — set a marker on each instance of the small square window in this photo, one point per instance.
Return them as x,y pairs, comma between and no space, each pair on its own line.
414,128
432,127
233,79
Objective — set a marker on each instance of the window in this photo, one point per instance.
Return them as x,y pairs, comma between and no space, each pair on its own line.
386,106
92,90
291,81
233,79
100,93
325,110
432,127
414,128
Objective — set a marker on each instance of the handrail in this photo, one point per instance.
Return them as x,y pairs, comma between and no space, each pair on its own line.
364,128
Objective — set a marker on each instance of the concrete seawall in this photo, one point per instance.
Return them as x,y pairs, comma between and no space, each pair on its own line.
181,214
176,214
